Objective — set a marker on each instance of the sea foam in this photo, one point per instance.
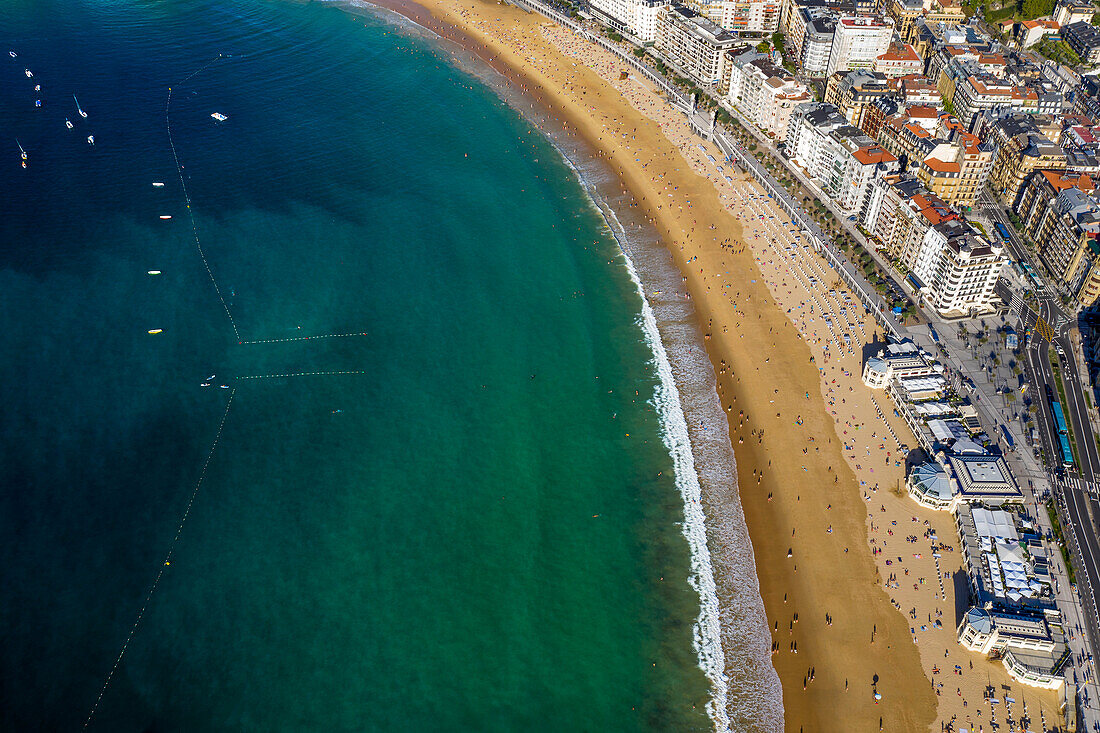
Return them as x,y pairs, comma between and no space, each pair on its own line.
730,636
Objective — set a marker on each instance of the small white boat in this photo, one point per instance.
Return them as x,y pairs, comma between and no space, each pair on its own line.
155,330
219,117
13,54
224,386
28,73
37,87
22,152
205,384
82,112
24,163
154,272
68,124
91,139
158,184
165,216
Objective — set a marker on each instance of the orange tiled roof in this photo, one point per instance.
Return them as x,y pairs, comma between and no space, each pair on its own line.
1062,181
873,154
941,166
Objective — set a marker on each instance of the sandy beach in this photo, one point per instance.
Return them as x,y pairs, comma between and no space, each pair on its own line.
857,600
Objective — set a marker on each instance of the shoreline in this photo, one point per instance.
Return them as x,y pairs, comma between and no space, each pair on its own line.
686,397
686,400
858,659
799,711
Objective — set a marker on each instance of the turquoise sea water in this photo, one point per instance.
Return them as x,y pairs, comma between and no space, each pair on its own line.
478,529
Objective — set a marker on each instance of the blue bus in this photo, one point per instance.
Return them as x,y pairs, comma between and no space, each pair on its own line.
1002,230
1059,417
1067,454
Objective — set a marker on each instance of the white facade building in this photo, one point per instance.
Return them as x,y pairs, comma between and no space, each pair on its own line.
817,44
841,158
695,44
764,92
858,41
741,16
957,268
636,17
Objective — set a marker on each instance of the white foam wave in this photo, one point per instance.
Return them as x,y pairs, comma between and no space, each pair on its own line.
674,433
731,636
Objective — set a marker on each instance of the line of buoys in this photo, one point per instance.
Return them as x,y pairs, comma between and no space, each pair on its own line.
304,338
187,198
167,562
300,374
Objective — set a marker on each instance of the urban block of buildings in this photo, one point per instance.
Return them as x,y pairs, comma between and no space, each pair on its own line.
1013,616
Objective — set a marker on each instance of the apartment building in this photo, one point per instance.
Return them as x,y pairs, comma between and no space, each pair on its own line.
952,163
1022,149
1069,12
899,60
741,16
817,44
956,269
1040,188
878,112
1086,97
951,64
854,92
841,159
635,17
1030,32
796,14
916,89
695,44
975,93
1082,160
857,41
764,92
905,14
899,212
1084,39
1064,222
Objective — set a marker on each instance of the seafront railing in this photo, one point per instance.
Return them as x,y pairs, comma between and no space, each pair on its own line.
821,243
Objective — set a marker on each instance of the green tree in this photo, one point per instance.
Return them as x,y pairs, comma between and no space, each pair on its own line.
1037,8
777,41
763,47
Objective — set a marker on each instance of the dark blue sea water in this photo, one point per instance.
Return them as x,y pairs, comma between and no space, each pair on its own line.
477,527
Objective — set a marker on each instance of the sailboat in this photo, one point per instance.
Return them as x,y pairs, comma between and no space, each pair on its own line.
21,150
82,112
13,54
91,140
28,73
